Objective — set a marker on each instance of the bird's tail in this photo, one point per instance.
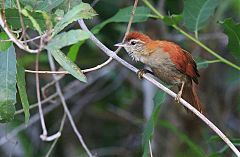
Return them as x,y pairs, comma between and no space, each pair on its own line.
189,94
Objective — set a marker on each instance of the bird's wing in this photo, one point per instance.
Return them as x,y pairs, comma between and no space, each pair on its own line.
182,59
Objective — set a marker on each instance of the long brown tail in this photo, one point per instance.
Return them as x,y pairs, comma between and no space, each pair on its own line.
189,94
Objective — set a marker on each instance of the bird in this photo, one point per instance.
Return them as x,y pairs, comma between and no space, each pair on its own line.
168,62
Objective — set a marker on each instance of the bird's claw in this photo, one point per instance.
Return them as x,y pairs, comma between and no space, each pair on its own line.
140,73
178,97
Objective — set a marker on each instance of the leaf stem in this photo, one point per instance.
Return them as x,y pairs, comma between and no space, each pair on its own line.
222,59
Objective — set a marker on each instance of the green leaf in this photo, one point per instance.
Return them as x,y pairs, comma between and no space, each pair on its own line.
197,12
123,15
34,21
44,5
21,84
7,84
4,45
67,64
67,38
173,19
81,11
232,30
73,51
148,131
199,152
12,17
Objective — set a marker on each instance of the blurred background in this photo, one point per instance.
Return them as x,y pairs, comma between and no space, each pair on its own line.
111,110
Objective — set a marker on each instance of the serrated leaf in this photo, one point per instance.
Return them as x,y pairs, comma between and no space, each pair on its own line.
197,12
81,11
148,131
67,64
232,30
123,15
67,38
21,84
172,20
7,84
4,45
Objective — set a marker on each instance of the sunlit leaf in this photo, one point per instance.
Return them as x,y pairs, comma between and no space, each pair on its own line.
232,30
67,38
4,45
197,12
21,84
81,11
7,84
123,15
148,131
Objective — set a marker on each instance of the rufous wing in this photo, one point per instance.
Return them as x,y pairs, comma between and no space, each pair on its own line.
182,59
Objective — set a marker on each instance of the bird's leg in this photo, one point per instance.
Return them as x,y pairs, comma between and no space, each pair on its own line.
143,71
177,98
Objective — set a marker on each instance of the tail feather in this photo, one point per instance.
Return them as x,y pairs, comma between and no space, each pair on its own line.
189,94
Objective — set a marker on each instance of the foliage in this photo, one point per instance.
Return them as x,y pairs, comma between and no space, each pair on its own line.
197,13
21,84
7,84
233,32
54,25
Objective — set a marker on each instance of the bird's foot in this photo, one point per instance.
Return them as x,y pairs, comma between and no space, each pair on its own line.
178,97
140,73
143,71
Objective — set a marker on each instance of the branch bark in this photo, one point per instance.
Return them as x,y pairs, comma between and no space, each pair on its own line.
160,86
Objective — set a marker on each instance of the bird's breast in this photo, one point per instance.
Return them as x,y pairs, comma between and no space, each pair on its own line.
162,66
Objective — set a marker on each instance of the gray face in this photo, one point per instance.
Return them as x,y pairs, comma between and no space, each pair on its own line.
134,48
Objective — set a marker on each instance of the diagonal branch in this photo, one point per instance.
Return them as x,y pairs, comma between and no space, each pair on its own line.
160,86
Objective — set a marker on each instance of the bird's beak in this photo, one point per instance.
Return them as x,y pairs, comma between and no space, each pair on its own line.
120,45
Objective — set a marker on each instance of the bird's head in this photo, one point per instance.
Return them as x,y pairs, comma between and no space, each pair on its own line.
135,44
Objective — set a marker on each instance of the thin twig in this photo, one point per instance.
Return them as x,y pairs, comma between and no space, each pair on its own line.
150,148
5,27
46,72
59,91
23,126
43,136
36,104
127,31
39,99
160,86
8,40
21,20
34,38
131,19
160,16
69,93
66,72
56,140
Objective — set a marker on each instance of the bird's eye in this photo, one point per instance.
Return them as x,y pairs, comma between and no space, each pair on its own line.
133,42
